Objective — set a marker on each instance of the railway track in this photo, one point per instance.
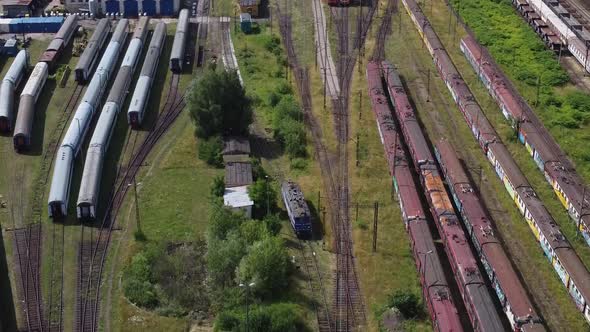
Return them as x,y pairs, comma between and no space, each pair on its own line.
349,311
27,243
93,252
27,236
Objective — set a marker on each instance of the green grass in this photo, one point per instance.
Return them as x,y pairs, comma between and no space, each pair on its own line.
523,57
446,121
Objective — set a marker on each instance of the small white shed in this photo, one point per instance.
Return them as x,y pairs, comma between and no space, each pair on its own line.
238,199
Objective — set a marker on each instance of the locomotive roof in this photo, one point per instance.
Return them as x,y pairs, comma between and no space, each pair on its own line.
295,198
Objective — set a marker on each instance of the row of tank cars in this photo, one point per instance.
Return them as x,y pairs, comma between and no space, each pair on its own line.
71,145
570,270
26,109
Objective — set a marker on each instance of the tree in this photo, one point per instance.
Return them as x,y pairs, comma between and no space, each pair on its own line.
218,186
267,265
222,221
253,231
273,224
218,104
264,195
223,258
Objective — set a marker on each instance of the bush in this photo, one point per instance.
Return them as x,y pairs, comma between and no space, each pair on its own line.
288,128
210,151
299,163
407,303
279,317
137,285
180,274
218,186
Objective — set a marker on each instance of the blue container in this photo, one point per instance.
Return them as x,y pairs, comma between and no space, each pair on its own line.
112,7
167,8
149,7
40,24
130,8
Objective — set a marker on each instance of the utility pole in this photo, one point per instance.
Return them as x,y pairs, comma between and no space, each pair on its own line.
375,219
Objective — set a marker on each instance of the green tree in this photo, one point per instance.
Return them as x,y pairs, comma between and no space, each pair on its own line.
273,224
267,265
264,195
223,258
222,221
253,231
218,104
218,186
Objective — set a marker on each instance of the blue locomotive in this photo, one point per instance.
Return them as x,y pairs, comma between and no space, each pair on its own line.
296,208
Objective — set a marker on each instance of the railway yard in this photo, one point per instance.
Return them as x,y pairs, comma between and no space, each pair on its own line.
442,153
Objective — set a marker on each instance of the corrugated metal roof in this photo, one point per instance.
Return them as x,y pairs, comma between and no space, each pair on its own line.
238,174
236,145
237,197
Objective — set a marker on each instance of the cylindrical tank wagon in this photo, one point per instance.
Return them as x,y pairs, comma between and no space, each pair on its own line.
91,53
10,83
178,47
26,107
143,87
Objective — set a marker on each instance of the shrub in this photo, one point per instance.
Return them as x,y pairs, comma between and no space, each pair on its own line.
218,186
407,303
210,151
299,163
137,285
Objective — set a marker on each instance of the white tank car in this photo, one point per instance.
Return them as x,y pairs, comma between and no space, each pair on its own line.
179,45
74,137
90,186
26,107
10,83
143,87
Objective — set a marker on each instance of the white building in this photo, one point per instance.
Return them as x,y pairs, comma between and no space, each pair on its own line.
238,199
